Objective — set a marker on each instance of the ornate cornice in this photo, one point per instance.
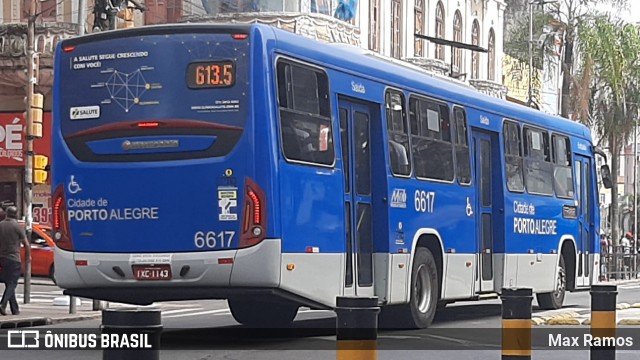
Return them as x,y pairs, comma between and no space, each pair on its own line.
316,26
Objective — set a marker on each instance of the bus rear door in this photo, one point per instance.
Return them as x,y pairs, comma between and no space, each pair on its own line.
355,135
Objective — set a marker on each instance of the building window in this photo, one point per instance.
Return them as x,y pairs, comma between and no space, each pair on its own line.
440,30
491,49
475,57
419,25
396,28
374,25
457,36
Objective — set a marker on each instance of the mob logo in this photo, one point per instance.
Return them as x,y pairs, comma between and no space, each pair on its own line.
20,339
399,198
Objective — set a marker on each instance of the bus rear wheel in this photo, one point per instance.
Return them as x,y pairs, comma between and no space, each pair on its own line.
554,300
261,313
423,301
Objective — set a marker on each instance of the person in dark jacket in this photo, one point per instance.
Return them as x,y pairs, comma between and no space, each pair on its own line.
11,235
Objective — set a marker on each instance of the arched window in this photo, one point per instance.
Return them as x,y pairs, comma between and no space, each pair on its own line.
396,28
491,48
475,57
457,36
374,25
440,29
418,17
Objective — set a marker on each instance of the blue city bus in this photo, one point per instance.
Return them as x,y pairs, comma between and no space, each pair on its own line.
247,163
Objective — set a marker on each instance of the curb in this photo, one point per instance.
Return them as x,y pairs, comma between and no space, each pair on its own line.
563,318
24,322
43,321
569,318
74,318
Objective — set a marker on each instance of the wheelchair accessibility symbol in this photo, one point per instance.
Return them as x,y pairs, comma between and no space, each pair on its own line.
469,207
73,186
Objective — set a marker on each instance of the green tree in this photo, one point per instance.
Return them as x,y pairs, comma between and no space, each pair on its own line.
607,90
571,14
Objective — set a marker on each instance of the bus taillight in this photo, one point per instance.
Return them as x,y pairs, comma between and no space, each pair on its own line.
61,234
254,224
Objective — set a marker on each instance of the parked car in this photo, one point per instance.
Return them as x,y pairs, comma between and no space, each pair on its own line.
42,246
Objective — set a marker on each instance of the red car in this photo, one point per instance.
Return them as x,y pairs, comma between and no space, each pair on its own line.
41,251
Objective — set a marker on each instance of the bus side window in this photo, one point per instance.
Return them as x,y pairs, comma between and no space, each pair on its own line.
562,172
398,134
513,156
539,170
431,140
305,123
463,162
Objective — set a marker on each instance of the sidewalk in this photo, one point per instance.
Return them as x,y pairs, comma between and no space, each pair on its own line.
39,313
626,314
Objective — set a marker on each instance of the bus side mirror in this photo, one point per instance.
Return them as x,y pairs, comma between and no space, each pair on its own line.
606,176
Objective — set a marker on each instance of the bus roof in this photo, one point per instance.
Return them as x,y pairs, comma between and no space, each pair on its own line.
365,63
412,77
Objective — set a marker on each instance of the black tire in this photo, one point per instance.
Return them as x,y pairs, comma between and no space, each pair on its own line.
553,300
52,274
260,313
423,301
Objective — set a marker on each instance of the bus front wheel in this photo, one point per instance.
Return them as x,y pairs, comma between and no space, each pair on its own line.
554,300
262,313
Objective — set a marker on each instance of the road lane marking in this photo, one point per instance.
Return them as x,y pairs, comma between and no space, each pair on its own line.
199,313
179,311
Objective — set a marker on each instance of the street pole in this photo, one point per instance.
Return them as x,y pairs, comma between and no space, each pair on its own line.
28,173
635,196
82,15
529,92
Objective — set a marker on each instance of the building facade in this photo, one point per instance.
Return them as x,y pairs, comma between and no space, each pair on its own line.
383,26
546,82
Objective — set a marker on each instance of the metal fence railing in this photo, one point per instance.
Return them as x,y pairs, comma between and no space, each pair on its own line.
620,263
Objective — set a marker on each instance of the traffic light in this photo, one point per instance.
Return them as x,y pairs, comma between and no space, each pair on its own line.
36,116
40,173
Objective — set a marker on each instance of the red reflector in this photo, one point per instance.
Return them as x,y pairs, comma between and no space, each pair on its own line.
240,36
148,124
82,263
225,260
68,48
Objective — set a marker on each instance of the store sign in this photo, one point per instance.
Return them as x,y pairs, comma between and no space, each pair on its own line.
13,139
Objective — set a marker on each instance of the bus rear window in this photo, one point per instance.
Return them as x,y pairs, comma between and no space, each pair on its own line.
149,96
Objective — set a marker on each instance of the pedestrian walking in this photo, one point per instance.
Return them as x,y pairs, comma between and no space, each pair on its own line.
11,235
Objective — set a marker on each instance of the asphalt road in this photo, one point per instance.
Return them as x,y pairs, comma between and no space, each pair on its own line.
462,331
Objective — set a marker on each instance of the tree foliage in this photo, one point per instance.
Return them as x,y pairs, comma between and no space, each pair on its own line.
571,13
607,88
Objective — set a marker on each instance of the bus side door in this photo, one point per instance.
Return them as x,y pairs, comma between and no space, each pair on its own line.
483,145
355,135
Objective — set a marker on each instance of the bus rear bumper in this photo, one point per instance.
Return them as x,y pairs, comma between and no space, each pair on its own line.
254,267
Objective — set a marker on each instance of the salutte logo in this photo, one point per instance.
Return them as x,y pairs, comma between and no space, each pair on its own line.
84,112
